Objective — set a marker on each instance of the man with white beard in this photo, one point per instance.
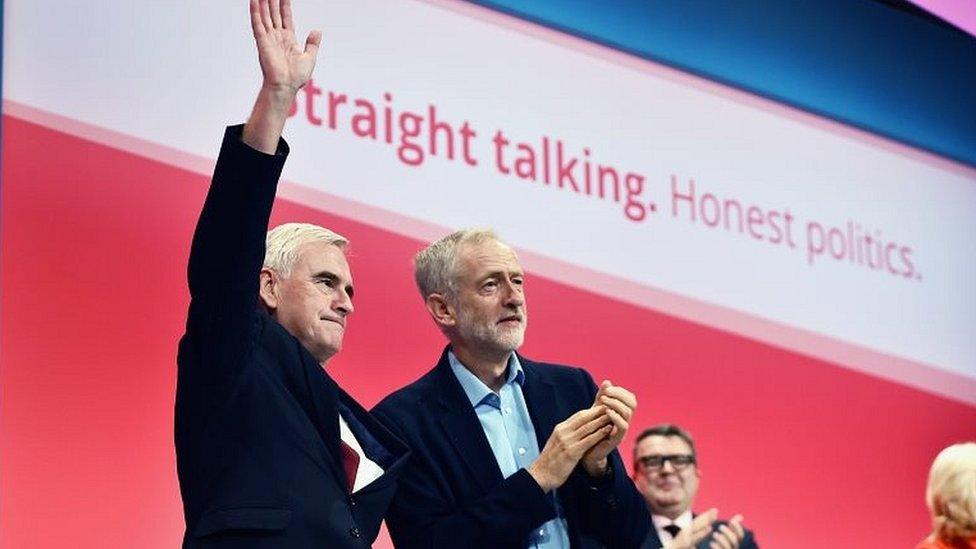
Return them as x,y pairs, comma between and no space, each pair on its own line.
508,452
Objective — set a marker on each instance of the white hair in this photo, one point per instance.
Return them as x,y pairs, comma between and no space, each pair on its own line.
285,240
951,492
435,267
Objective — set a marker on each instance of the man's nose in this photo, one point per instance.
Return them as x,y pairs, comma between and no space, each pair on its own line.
513,295
342,303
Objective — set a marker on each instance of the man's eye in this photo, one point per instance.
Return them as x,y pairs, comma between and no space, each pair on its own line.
517,281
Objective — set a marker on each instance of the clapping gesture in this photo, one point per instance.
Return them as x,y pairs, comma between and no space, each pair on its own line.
619,404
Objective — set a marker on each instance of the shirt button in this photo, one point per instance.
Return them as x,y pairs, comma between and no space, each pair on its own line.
521,451
507,410
542,532
354,532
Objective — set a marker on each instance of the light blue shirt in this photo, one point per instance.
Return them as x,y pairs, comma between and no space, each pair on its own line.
505,420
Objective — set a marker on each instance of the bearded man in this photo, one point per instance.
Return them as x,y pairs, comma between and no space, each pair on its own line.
508,452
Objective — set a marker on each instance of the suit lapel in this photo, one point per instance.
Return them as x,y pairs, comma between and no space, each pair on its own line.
461,425
324,395
543,401
652,541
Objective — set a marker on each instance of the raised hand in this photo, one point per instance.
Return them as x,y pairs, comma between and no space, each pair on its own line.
620,405
285,66
567,444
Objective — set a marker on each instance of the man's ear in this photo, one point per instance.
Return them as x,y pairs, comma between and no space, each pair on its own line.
269,289
440,310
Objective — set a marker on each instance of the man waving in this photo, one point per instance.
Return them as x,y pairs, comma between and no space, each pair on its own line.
270,451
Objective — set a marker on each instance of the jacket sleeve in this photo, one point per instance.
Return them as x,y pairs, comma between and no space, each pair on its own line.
228,251
610,509
424,516
749,541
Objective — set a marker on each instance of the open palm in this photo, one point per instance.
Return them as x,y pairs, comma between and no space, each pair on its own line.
284,64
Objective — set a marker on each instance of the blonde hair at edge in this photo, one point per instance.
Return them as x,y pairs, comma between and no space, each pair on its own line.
285,240
435,266
951,493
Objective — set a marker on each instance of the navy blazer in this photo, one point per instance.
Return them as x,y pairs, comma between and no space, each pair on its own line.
257,429
654,542
452,493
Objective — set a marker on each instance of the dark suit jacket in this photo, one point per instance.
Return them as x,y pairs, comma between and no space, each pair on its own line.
452,493
257,432
654,542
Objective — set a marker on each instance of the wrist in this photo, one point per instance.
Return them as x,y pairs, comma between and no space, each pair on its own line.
597,468
541,478
271,108
278,97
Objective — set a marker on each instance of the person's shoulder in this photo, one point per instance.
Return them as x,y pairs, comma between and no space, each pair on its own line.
414,394
555,372
549,367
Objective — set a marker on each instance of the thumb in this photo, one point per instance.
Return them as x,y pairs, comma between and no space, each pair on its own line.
708,516
312,43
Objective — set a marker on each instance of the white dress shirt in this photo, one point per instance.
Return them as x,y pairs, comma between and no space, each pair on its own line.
368,470
660,521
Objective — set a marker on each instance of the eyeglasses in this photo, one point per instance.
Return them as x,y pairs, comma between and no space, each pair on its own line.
678,461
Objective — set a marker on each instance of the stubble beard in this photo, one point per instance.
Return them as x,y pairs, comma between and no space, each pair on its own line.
488,336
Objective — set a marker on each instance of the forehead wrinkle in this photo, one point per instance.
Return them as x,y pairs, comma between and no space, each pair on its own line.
497,259
321,257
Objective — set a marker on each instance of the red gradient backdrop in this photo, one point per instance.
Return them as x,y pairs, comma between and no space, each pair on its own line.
94,249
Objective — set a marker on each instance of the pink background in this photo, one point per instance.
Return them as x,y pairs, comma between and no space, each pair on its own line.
95,242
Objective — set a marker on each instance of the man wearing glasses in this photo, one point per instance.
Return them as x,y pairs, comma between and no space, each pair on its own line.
666,474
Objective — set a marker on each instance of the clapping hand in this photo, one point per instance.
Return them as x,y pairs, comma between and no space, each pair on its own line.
620,405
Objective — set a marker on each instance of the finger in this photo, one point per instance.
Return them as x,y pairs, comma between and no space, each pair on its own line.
726,536
736,525
701,526
598,422
275,14
592,439
583,416
256,25
620,425
599,392
266,16
618,421
312,43
699,532
705,519
622,395
618,406
286,21
718,543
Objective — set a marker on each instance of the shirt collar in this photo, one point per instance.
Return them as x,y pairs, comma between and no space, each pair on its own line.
683,521
476,391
